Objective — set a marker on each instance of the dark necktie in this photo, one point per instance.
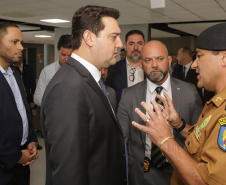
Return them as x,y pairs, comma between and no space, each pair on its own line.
105,93
158,90
156,155
102,86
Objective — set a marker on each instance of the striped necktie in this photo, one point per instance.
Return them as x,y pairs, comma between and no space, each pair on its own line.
156,155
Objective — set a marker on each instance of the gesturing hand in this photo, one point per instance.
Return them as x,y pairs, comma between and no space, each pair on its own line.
157,128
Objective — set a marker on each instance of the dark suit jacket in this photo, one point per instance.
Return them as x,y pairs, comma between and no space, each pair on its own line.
11,128
112,97
192,78
28,81
117,78
188,108
84,141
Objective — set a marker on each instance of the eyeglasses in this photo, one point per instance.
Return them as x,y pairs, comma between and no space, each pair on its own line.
157,59
132,76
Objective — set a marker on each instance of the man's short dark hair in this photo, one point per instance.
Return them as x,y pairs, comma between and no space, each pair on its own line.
64,41
123,49
187,50
89,18
4,26
133,32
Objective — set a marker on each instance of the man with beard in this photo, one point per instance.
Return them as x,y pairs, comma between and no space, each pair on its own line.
144,166
17,137
127,72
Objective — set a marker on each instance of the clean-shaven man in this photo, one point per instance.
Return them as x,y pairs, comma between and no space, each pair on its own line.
84,141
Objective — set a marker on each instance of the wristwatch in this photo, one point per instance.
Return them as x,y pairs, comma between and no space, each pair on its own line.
182,126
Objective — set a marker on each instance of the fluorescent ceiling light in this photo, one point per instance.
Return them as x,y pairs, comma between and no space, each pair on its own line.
54,20
157,4
43,36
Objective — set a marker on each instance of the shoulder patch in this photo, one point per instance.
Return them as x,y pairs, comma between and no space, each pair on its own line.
222,121
222,134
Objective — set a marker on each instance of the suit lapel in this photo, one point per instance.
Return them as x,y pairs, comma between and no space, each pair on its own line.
98,90
141,96
176,94
5,84
123,78
84,72
21,87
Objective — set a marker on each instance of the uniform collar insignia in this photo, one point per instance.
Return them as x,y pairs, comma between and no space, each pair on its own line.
219,98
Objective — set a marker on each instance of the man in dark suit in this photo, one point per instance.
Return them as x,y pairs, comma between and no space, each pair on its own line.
127,72
183,71
17,137
28,77
143,169
84,142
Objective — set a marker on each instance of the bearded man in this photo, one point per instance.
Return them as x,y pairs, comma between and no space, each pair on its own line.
127,72
146,164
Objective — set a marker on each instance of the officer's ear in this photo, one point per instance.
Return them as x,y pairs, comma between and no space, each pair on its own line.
223,61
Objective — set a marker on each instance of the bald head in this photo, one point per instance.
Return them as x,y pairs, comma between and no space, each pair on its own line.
155,61
153,45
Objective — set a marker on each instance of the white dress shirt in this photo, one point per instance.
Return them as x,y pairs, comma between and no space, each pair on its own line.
151,94
18,99
46,75
187,68
138,75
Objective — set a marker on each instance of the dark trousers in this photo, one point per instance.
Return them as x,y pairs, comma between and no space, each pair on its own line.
19,175
158,176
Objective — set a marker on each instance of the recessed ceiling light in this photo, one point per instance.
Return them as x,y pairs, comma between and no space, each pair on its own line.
157,4
43,36
54,20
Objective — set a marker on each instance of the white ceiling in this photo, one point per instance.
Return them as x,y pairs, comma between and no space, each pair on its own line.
132,12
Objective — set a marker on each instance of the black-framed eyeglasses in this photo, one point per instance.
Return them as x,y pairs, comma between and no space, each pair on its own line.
132,74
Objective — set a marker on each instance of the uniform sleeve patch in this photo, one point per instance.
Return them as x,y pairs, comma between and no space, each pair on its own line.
222,134
222,121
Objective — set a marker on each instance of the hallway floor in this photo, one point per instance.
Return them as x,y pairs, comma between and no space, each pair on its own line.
38,169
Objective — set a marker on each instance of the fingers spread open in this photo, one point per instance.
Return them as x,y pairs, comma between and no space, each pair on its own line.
139,126
157,108
142,115
168,100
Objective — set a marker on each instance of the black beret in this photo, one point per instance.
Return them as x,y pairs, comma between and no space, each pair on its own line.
213,38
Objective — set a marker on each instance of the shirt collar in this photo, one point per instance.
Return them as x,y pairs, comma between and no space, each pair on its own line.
151,86
90,67
219,98
188,65
57,65
9,71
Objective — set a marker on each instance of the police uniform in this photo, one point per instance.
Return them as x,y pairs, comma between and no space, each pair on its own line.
207,142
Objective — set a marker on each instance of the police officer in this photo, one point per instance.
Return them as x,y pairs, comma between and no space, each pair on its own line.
204,157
